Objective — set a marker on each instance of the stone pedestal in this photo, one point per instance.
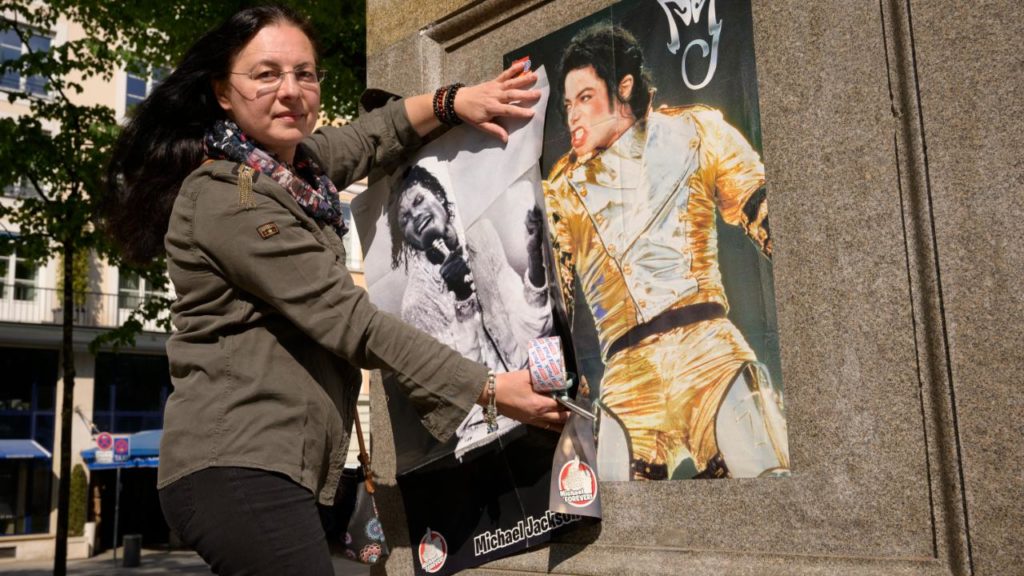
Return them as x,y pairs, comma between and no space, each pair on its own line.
892,140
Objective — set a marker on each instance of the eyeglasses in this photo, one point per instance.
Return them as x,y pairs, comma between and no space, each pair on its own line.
272,79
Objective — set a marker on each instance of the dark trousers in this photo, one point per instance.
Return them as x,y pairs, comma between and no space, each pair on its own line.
244,521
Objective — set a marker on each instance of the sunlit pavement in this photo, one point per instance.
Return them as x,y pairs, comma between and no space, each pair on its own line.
152,562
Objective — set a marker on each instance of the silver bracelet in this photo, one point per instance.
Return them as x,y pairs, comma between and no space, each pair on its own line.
491,412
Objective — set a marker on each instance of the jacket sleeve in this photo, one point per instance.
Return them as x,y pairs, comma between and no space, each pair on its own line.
296,274
739,179
737,166
377,139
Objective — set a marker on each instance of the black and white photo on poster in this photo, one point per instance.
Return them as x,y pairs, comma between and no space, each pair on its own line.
454,245
656,199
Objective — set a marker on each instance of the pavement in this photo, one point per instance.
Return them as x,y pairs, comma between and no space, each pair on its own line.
173,562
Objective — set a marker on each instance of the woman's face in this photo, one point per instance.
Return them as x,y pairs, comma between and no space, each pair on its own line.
421,217
280,116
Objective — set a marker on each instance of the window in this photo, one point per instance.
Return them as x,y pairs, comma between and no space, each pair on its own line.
21,189
132,290
12,48
18,276
27,398
27,394
136,91
139,86
25,497
130,391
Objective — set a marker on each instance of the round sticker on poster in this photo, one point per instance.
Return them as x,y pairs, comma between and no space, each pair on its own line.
433,551
577,483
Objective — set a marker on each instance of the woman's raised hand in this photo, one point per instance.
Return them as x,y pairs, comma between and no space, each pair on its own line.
516,399
503,97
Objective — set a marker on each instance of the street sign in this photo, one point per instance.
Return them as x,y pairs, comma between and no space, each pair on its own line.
122,448
104,441
104,448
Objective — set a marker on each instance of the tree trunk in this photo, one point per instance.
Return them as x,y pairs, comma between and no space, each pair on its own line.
60,556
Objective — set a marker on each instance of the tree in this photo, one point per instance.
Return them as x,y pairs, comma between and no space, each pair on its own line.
157,33
78,510
61,146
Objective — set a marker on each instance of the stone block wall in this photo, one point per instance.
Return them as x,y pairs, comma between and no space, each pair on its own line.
892,134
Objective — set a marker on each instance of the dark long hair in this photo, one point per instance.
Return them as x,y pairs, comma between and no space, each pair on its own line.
414,175
163,141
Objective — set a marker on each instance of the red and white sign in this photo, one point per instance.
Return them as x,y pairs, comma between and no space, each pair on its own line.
433,551
577,483
104,441
122,448
104,448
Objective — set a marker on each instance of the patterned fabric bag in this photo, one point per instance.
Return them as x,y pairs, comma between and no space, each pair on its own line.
352,527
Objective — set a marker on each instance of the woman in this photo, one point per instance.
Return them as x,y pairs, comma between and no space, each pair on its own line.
220,168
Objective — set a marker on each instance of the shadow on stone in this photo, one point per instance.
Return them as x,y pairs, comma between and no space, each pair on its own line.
572,542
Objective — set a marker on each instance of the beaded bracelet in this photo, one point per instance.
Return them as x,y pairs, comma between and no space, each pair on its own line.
491,411
444,104
449,104
439,95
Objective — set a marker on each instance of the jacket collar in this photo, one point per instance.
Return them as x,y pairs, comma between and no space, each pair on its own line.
232,172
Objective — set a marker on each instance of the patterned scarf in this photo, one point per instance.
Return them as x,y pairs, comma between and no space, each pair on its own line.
320,200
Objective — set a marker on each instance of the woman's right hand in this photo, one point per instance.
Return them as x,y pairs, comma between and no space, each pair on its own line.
516,399
480,105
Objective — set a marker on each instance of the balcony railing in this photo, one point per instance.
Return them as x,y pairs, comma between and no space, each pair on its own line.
26,304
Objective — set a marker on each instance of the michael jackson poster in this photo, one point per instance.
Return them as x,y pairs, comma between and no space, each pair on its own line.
455,245
657,208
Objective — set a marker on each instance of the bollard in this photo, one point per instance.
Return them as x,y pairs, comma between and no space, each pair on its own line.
132,549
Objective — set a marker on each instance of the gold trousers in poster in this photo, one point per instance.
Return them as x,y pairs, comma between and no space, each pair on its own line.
666,390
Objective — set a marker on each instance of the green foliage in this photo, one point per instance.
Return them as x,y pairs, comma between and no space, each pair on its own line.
79,501
153,308
79,277
156,33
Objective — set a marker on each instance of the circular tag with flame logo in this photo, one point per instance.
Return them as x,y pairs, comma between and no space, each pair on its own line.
433,551
577,483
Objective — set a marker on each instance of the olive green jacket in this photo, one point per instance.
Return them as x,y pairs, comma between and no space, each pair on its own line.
270,329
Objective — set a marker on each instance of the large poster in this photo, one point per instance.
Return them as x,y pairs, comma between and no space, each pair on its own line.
656,202
455,245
